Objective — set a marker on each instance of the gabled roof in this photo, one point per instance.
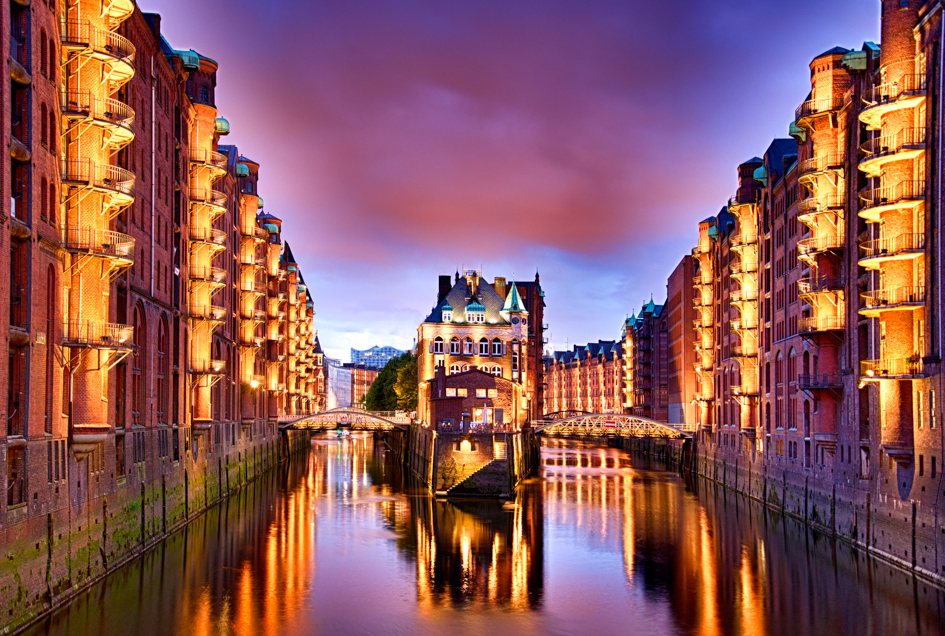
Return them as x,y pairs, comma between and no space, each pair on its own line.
460,295
837,50
287,253
317,347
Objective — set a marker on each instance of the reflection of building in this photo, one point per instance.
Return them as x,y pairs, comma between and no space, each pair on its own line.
478,325
375,357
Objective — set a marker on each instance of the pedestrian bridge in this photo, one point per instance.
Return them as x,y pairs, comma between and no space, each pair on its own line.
612,425
349,418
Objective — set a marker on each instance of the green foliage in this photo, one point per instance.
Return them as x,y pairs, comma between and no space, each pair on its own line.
382,396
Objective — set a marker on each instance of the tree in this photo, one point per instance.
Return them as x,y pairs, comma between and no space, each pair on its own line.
406,386
382,395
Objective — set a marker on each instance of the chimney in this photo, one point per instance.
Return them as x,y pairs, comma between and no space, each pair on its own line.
445,287
500,286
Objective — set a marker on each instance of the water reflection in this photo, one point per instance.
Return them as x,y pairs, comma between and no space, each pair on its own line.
342,542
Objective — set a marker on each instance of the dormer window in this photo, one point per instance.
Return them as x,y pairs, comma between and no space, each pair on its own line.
476,317
447,316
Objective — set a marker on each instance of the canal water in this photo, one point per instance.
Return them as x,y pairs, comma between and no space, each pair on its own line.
339,542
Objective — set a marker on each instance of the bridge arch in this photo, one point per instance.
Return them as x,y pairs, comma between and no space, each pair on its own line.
346,417
612,424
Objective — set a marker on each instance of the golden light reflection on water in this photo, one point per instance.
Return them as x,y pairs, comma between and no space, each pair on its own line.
343,541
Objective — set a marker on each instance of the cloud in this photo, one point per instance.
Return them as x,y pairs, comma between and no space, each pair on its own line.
401,139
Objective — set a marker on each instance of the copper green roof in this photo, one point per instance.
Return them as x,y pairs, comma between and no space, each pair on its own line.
475,305
513,302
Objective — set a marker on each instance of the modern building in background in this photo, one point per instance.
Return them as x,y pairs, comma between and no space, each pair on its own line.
376,357
339,385
157,325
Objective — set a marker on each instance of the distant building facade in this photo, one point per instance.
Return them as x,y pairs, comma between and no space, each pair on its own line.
376,357
681,360
588,378
362,377
339,384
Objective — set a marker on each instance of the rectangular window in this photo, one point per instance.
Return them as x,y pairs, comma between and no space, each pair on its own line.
450,392
921,465
931,409
49,461
461,392
480,393
493,393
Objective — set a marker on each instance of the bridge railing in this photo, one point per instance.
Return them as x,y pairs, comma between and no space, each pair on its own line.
476,427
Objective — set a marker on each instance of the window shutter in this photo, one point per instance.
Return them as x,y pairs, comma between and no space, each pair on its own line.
503,348
431,346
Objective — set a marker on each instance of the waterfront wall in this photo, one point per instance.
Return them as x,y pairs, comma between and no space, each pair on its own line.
905,532
104,522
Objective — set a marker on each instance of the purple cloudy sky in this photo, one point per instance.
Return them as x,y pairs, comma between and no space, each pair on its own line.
402,139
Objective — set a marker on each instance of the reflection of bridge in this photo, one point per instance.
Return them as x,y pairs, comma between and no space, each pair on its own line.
353,418
612,424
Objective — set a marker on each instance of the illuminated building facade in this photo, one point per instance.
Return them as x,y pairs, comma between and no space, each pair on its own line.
478,325
144,285
588,378
819,338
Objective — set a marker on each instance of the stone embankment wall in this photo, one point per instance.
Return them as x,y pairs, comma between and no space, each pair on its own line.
900,531
47,559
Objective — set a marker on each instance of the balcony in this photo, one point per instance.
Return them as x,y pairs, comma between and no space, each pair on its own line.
896,299
117,10
743,296
211,199
908,143
116,53
811,169
116,184
743,266
744,239
208,235
816,108
702,323
744,351
211,160
114,246
820,324
698,281
814,245
892,368
115,118
903,195
207,312
809,209
907,91
208,274
812,382
97,335
900,247
744,325
208,367
812,285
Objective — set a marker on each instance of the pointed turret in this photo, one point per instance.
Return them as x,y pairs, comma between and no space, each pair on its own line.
513,302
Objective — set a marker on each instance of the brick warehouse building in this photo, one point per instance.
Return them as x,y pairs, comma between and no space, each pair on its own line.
158,327
487,327
588,378
819,303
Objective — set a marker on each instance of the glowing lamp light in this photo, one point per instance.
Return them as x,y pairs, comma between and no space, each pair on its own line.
870,373
253,383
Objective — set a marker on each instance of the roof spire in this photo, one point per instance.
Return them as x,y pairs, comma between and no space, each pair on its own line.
513,302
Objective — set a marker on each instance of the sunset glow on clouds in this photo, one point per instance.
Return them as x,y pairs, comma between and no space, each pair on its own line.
400,140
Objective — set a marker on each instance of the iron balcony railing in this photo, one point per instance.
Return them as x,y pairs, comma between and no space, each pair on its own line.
100,108
817,324
892,367
744,351
818,244
96,175
893,245
819,381
208,274
79,33
817,106
207,311
745,238
212,367
820,204
822,163
208,197
891,91
207,235
891,144
104,243
208,158
744,266
892,297
743,325
744,295
889,195
89,333
819,284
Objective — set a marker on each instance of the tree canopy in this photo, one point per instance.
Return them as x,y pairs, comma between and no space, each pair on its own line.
395,388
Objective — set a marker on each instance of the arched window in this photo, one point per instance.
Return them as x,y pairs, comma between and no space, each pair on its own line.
205,96
465,367
792,365
43,199
53,204
496,347
249,187
468,346
44,124
138,379
454,368
162,371
497,371
454,346
53,130
483,346
43,58
438,345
